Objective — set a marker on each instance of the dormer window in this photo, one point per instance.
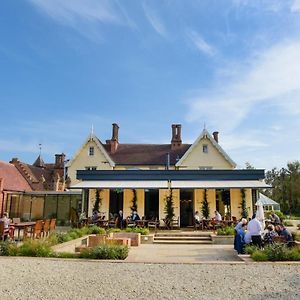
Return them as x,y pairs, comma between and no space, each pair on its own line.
205,148
91,151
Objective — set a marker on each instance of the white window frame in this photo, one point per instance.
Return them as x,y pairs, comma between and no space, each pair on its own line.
205,148
91,151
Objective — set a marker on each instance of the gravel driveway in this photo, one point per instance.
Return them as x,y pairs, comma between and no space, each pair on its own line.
35,278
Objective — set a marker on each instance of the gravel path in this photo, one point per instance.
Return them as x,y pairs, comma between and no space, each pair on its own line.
34,278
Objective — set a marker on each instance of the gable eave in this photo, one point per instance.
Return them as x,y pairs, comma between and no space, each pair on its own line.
206,134
99,145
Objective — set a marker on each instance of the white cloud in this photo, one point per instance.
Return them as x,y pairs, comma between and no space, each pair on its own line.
83,16
200,43
154,20
272,78
295,7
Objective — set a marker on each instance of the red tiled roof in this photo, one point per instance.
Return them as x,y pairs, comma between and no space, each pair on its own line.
146,154
13,180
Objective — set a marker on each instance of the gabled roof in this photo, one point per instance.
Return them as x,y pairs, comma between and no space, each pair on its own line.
98,143
206,134
39,162
264,200
12,179
146,154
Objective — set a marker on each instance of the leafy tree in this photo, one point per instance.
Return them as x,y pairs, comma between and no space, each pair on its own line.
134,201
249,166
98,201
286,187
244,211
169,207
205,206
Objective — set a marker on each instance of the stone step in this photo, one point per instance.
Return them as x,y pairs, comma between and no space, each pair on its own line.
182,238
183,242
181,235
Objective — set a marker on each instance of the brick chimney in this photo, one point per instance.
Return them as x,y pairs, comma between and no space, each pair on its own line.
114,141
216,136
176,136
59,160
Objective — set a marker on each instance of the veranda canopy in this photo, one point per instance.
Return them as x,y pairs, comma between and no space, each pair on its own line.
176,184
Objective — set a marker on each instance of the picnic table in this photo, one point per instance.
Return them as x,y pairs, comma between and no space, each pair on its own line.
23,226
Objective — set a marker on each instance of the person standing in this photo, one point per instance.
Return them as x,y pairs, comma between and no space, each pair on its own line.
255,230
218,216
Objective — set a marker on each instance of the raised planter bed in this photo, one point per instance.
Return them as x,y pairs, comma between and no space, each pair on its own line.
222,239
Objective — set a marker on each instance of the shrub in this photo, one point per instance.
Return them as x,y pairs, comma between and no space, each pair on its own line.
249,249
276,252
8,248
142,231
96,230
35,248
111,230
105,252
259,255
229,230
66,255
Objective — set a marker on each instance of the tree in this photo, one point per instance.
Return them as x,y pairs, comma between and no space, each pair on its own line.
98,201
249,166
286,187
205,206
244,211
169,207
134,201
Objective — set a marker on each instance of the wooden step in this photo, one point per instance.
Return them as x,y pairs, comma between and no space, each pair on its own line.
183,238
183,242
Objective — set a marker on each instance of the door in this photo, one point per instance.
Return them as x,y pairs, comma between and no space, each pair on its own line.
186,208
151,204
115,202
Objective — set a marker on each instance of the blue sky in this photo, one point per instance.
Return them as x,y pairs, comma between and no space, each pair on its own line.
233,65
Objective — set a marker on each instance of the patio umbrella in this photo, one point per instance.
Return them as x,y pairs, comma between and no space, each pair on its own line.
260,215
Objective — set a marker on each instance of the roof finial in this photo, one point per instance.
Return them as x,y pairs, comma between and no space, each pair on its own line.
92,131
40,147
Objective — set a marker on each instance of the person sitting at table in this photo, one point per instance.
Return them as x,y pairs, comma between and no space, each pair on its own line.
268,236
274,218
135,216
121,222
95,216
197,217
218,217
8,228
282,231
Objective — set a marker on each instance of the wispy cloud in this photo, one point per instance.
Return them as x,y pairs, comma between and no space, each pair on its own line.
271,79
84,16
295,7
154,20
200,43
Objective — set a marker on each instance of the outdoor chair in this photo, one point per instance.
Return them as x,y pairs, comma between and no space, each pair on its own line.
153,225
46,227
52,224
174,223
113,223
38,229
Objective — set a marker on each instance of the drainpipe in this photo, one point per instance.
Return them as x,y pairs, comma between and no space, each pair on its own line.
168,161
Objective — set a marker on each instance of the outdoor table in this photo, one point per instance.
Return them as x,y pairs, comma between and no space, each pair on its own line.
141,223
22,226
102,223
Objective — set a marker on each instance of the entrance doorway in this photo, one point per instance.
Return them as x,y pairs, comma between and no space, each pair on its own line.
115,202
186,208
151,204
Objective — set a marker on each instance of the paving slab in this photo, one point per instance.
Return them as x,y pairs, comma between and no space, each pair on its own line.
192,254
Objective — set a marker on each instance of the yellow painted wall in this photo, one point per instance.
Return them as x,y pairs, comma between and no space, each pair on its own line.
128,196
235,202
211,198
197,159
162,195
198,198
104,208
143,167
85,160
